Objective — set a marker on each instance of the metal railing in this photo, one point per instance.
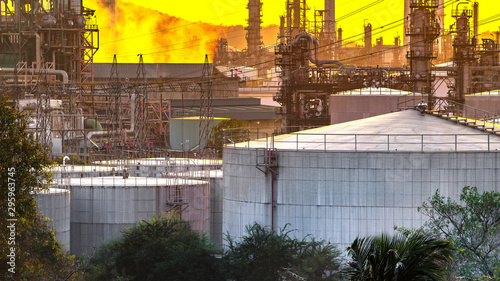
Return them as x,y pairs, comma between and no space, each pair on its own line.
468,115
363,142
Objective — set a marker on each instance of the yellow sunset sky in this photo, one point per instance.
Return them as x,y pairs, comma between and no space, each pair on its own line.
234,12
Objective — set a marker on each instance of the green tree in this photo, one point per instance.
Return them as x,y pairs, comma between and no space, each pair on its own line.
162,248
473,225
266,254
24,171
418,256
230,130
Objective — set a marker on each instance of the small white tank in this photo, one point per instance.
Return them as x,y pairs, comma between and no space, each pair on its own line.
55,205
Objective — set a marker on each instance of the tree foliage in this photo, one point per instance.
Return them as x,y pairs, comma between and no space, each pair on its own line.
231,129
162,248
418,256
265,254
23,164
473,224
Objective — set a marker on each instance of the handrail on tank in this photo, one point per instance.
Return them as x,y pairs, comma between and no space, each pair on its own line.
363,142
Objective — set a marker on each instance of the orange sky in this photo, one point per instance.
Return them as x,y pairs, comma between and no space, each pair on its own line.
182,31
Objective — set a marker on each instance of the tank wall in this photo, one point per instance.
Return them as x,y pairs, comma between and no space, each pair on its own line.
197,211
486,103
344,108
339,196
56,207
216,195
246,197
101,213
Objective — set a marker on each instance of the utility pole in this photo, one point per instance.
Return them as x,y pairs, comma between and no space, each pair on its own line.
206,113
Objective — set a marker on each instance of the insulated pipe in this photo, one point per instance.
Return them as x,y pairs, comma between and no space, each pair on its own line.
105,133
315,60
38,56
64,160
476,18
40,71
38,48
132,112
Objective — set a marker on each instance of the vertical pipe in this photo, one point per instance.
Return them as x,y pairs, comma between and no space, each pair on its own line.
407,10
304,16
340,37
289,23
368,36
272,198
476,18
440,15
296,17
38,49
330,20
282,30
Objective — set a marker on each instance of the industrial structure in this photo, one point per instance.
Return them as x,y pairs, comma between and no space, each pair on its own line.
334,182
109,196
355,179
48,49
44,37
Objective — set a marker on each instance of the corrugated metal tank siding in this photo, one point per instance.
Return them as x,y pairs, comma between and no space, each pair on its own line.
339,196
101,213
56,206
197,212
344,108
484,102
216,198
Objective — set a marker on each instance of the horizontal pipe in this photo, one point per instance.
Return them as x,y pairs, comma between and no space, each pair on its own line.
63,73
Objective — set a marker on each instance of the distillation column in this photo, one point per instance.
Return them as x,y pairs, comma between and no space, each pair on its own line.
423,30
406,25
254,39
440,17
330,20
463,52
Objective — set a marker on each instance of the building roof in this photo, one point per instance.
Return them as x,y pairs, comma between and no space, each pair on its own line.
398,131
239,108
152,70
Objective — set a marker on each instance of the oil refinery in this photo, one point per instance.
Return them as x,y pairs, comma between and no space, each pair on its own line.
342,137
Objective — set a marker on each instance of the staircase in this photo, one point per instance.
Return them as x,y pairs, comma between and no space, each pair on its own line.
460,113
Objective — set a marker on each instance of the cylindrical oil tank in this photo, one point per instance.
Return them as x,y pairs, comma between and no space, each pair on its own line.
487,101
62,173
216,195
340,187
367,102
103,207
55,205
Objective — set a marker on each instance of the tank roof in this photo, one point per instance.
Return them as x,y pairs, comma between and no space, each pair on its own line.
161,161
487,93
53,190
398,131
80,168
130,182
372,91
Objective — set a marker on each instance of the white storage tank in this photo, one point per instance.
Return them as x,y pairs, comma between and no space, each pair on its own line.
216,193
356,178
55,205
368,102
487,101
102,207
